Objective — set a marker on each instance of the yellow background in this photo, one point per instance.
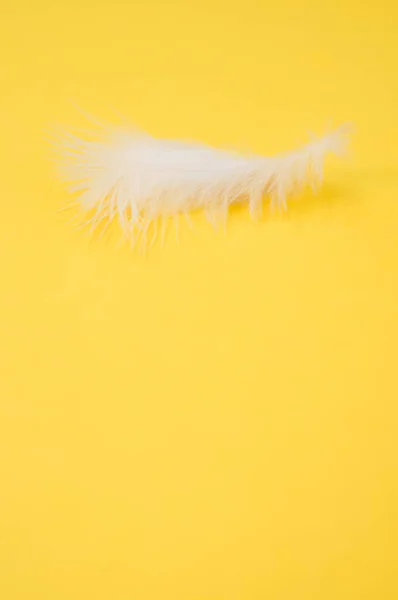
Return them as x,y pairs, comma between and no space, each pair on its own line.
218,421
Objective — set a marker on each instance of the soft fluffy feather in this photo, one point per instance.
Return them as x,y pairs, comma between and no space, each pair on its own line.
137,178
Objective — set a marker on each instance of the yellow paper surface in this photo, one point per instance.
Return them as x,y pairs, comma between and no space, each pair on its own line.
219,420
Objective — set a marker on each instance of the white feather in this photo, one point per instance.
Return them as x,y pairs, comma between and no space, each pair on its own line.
136,178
